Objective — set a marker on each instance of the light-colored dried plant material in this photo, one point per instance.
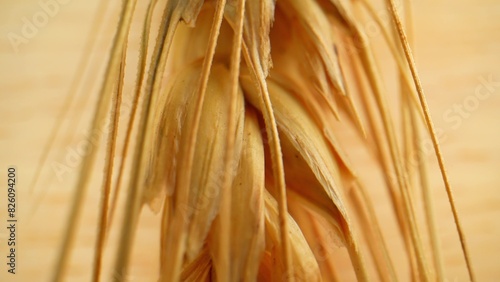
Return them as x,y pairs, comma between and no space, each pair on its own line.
109,166
305,267
141,69
225,270
379,146
199,269
411,132
238,110
247,241
370,228
369,63
432,131
202,206
256,51
310,150
103,105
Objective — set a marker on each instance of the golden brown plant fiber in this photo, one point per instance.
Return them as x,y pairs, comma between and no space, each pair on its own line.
233,139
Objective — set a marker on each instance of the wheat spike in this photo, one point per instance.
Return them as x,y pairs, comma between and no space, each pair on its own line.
238,113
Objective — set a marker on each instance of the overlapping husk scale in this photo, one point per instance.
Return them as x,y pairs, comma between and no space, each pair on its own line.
291,44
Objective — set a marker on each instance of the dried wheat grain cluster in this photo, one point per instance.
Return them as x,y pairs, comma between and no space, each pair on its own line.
237,145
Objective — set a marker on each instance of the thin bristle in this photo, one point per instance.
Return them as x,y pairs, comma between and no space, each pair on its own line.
432,131
88,162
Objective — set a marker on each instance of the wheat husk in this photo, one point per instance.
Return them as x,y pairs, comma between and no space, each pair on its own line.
236,148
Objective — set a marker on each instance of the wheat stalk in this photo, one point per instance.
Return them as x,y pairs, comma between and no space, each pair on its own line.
238,145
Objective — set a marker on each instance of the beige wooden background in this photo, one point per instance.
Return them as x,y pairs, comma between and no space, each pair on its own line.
457,47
